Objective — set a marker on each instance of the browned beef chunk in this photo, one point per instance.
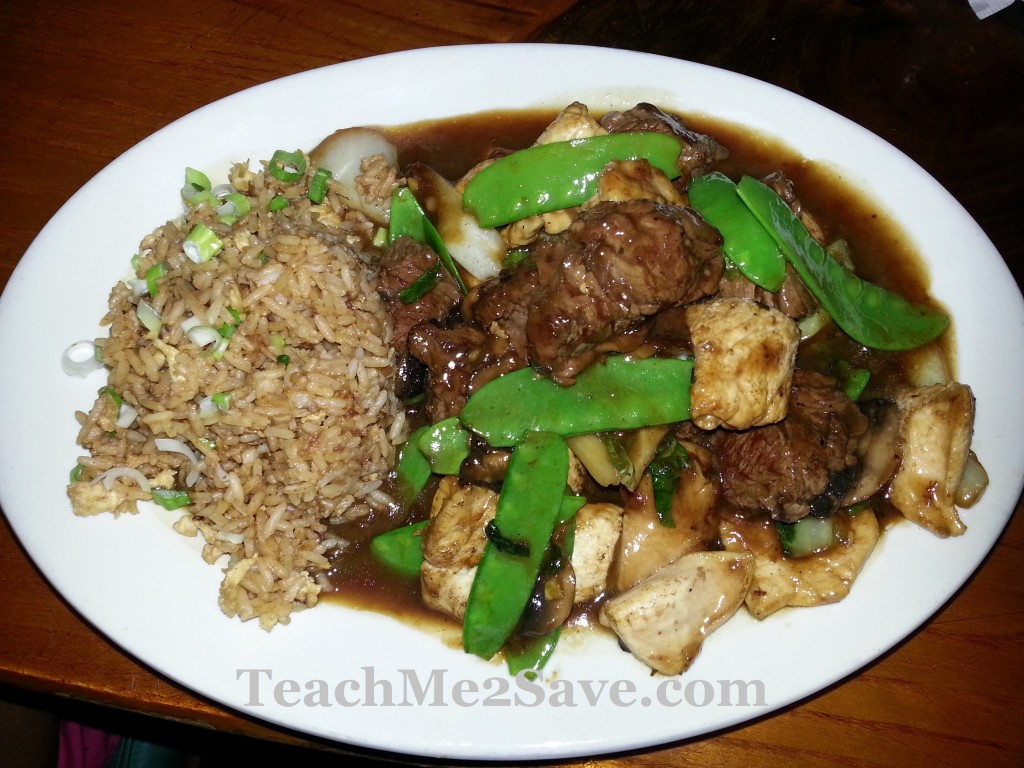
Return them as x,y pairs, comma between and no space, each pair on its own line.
459,360
620,263
792,299
699,153
403,263
795,467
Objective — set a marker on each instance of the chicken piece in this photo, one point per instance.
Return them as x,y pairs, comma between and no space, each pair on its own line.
936,426
744,355
573,122
816,579
453,544
634,180
664,619
646,544
598,527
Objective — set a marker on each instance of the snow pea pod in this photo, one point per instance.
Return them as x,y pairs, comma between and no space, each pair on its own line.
401,549
868,313
412,468
528,509
618,393
445,445
533,653
550,177
409,220
747,244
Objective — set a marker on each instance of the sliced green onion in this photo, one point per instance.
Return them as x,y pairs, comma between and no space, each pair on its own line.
284,360
380,238
112,394
213,403
318,186
202,244
220,348
197,187
277,203
287,166
170,499
76,473
234,207
423,285
148,317
136,259
153,274
81,358
277,341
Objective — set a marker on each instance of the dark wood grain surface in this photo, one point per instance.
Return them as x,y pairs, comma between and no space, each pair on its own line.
84,81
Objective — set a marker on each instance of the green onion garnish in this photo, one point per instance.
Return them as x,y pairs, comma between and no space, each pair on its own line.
112,394
148,317
277,203
153,274
318,186
202,244
235,206
380,238
222,400
170,499
197,187
287,166
76,473
284,360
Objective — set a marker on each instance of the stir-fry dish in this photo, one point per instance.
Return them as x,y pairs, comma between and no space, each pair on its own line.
610,374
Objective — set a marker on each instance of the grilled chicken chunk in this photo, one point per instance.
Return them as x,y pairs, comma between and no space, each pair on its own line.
744,355
816,579
936,426
664,619
598,527
453,544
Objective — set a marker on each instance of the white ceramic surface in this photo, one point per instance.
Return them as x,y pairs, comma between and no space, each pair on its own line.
364,678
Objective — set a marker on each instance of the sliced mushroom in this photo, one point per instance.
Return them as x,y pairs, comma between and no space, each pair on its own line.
936,426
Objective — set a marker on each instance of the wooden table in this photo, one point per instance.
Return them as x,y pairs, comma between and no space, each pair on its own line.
84,81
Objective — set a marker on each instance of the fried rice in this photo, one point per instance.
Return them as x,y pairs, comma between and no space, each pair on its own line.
267,431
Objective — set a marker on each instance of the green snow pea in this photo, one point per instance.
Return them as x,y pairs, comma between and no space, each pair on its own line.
747,244
445,446
412,468
550,177
868,313
618,393
401,549
530,654
528,509
408,219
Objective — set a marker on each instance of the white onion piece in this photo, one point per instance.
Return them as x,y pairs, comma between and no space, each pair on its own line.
172,445
973,483
80,359
148,317
139,287
927,366
126,416
112,474
207,407
478,250
203,335
342,153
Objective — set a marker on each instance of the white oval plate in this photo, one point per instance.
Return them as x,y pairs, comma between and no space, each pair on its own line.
366,679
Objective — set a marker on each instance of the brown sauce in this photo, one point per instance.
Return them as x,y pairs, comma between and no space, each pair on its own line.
452,147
